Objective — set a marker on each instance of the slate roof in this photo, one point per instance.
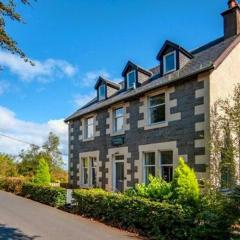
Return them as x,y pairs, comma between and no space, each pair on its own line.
205,58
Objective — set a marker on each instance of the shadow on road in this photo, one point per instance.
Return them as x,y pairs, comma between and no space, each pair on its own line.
13,234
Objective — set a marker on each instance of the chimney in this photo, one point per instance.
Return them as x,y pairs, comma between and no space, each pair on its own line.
231,19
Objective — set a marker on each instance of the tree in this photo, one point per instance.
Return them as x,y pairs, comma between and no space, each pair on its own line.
29,160
7,166
42,174
51,152
185,184
8,10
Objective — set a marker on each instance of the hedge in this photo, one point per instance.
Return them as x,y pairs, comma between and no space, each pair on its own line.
52,196
162,220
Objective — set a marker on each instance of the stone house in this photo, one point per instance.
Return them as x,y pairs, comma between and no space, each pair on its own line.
143,124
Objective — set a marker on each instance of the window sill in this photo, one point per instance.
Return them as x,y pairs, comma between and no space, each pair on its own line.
156,125
88,139
117,133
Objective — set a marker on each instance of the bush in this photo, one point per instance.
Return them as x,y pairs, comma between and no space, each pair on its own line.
157,189
185,184
161,220
53,196
12,184
42,174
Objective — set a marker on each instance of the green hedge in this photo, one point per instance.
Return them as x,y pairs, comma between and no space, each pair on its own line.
162,220
53,196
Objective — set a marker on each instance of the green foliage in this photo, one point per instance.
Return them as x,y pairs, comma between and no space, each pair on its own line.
42,174
53,196
185,184
151,218
157,189
12,184
7,166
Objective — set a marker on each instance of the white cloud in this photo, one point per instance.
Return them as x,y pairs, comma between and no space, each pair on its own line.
90,78
42,71
81,99
3,87
31,132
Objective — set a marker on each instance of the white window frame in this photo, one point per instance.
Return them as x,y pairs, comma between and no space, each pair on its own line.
99,91
87,126
135,76
89,168
158,105
164,62
165,165
115,119
145,166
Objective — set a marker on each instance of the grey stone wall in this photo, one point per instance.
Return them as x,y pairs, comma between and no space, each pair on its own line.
182,131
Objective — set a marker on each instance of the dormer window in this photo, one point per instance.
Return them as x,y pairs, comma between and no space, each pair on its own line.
131,79
102,92
169,62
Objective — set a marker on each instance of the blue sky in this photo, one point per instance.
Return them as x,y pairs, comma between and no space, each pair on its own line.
74,41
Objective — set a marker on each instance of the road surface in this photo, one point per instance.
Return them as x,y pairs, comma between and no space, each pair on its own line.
23,219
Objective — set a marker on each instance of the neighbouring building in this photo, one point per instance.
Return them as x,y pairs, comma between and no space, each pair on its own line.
143,124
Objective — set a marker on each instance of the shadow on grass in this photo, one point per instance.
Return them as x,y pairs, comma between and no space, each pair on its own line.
8,233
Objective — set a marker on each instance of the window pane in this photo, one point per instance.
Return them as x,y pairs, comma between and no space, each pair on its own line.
149,171
167,157
89,121
156,100
170,62
157,114
93,163
167,173
85,170
101,91
119,112
131,78
90,131
119,124
150,158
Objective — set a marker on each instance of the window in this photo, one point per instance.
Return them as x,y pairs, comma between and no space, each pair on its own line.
166,164
149,166
169,62
89,171
118,119
102,92
89,128
131,79
85,171
93,176
157,109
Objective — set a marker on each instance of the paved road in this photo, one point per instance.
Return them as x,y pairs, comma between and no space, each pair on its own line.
23,219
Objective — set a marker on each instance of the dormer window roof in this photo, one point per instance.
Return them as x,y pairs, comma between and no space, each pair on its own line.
134,75
172,57
105,88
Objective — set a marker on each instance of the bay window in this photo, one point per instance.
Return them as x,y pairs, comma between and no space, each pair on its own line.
89,171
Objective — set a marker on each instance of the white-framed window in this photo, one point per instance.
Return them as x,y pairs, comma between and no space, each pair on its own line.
166,165
157,111
169,62
89,128
149,167
85,171
89,171
118,119
102,92
131,79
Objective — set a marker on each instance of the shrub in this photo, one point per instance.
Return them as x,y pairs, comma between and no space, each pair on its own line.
12,184
157,189
161,220
185,184
42,174
53,196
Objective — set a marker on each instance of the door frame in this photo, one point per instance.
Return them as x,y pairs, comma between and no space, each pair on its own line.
114,170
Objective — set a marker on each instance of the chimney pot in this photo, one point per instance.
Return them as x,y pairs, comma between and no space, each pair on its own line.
232,3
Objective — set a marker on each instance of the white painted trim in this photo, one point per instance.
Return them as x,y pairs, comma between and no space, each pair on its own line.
135,75
164,62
